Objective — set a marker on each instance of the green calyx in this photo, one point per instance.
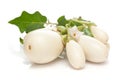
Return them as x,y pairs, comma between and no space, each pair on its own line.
81,24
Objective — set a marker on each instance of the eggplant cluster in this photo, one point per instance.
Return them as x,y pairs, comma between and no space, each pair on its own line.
45,45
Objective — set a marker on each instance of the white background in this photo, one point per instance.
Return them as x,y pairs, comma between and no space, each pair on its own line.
13,63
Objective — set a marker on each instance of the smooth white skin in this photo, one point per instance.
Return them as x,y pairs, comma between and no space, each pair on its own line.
95,51
99,34
75,54
42,46
108,46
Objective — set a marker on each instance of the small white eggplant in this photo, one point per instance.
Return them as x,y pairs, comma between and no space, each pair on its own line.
99,34
75,54
95,51
42,46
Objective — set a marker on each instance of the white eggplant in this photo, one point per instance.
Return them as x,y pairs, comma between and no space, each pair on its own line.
99,34
75,54
42,46
95,51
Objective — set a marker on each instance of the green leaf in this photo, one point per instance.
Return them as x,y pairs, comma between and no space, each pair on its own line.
26,20
62,21
35,26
